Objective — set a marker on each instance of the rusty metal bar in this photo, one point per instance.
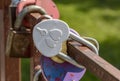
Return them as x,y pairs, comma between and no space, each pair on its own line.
2,62
2,57
9,67
94,63
33,19
1,4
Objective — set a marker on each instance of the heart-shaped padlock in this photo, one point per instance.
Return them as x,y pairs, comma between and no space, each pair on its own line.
65,71
48,36
61,71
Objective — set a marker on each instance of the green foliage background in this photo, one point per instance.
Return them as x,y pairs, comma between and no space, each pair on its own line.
99,19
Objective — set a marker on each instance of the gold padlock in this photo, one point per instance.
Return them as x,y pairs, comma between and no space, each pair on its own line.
18,43
19,37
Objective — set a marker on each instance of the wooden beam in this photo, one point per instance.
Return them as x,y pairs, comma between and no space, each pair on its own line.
94,63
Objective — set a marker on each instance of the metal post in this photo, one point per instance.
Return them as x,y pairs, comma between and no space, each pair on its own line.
9,67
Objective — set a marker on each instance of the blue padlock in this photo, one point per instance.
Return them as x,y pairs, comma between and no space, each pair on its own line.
65,71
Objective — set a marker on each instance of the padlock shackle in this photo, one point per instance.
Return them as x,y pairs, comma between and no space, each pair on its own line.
37,74
25,11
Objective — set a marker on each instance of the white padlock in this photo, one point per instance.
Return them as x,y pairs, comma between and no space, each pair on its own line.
48,36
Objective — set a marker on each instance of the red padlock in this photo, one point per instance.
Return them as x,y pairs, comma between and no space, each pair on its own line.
48,5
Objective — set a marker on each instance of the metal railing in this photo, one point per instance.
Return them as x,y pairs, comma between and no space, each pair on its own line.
10,68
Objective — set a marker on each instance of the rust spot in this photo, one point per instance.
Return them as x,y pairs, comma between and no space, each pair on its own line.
71,75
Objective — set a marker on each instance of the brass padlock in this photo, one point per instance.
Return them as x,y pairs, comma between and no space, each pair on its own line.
19,37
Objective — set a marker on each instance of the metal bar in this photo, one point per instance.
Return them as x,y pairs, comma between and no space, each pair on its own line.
33,19
94,63
35,60
2,57
12,65
1,4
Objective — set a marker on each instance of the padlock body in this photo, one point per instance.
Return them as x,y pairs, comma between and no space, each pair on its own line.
18,44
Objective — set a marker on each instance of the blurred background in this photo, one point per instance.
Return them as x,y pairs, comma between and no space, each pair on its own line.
99,19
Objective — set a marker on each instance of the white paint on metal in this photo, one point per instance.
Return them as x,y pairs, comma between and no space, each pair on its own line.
48,36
